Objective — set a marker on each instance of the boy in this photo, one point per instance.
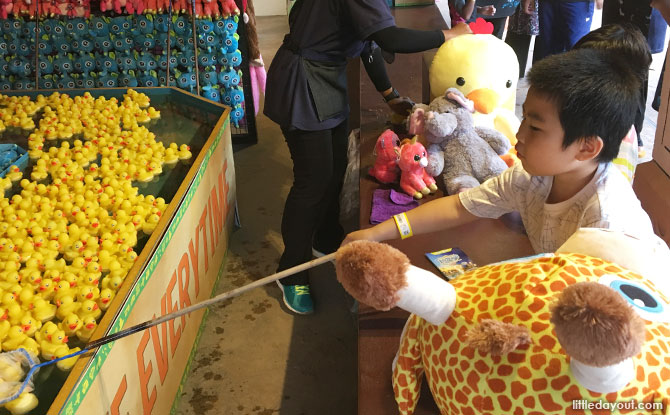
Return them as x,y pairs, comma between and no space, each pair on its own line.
579,106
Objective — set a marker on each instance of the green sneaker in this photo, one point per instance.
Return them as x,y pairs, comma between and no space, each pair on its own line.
297,298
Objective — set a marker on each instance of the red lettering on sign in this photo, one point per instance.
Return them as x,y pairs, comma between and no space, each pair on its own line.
193,254
144,372
202,225
226,188
118,396
215,211
175,335
211,229
184,298
161,350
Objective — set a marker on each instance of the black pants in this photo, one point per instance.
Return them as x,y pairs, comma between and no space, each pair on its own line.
498,26
312,209
521,46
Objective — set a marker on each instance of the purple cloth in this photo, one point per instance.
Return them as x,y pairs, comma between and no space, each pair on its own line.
387,202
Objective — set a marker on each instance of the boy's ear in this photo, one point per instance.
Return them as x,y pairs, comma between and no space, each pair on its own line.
589,148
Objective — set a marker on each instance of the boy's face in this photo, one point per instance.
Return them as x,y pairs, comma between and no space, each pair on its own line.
540,146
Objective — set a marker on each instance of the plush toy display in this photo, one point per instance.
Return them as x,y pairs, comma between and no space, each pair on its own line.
538,335
486,70
413,177
465,154
386,152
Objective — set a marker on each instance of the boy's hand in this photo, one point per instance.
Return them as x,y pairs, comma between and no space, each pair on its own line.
401,105
489,10
363,234
599,4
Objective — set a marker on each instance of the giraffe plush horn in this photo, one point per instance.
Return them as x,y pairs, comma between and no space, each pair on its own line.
382,277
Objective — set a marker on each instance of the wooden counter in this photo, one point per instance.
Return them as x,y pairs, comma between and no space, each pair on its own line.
485,241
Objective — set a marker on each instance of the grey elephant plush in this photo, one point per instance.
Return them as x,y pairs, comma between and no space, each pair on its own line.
466,155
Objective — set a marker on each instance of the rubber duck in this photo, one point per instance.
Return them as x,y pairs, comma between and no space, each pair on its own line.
47,330
67,364
4,329
11,370
57,344
86,331
29,324
153,113
184,152
88,292
150,224
106,297
66,305
89,309
15,338
25,403
112,281
71,324
43,310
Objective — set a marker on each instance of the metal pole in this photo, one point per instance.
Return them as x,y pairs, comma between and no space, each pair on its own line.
195,50
169,25
37,44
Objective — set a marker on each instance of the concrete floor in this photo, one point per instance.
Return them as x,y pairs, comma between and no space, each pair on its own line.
254,358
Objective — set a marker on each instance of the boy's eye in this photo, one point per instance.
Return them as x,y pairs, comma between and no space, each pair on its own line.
460,81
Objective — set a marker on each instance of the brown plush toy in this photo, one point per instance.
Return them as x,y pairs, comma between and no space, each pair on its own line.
382,277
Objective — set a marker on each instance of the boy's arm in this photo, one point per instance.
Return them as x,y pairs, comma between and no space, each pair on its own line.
439,214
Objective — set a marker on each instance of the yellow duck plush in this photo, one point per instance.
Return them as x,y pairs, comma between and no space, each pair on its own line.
486,70
25,403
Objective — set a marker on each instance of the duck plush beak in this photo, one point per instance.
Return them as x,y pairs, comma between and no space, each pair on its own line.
485,99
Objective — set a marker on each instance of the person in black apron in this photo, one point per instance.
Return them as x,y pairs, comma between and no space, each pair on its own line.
307,96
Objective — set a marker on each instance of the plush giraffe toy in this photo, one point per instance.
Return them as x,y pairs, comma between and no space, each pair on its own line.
545,335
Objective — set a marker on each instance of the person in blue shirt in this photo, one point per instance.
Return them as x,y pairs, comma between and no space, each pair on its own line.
307,96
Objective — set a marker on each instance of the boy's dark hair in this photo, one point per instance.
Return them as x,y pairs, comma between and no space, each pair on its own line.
623,39
596,93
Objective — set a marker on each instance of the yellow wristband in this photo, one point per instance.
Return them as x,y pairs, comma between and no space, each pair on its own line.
403,225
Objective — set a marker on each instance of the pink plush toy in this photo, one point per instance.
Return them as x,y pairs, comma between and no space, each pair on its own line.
414,180
6,7
258,77
387,152
229,7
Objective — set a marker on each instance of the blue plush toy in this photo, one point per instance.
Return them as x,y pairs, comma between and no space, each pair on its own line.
162,61
53,27
28,30
19,67
63,64
5,84
85,63
186,59
186,80
106,80
127,61
84,80
230,78
45,48
60,44
82,46
46,82
144,42
148,79
236,115
205,26
107,63
230,43
227,25
207,41
19,47
119,25
103,44
146,62
161,23
24,83
163,80
229,60
208,76
181,26
233,97
144,24
128,79
77,27
65,82
206,59
99,27
46,65
211,92
3,47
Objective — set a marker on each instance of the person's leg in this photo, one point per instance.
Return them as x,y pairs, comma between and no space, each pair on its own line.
311,152
577,18
551,24
520,44
329,232
498,26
